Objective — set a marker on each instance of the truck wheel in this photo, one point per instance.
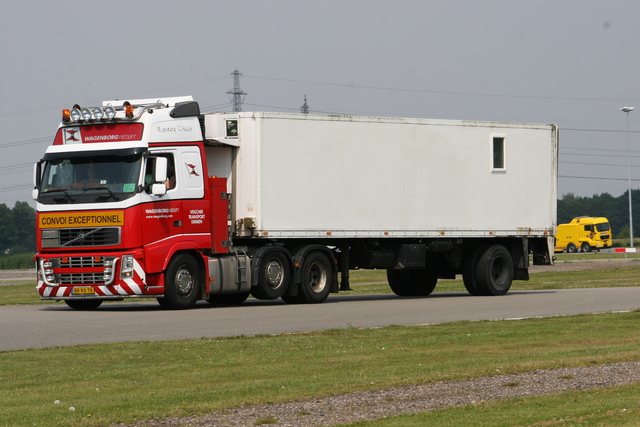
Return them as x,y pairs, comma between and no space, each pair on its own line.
571,248
494,272
228,299
585,247
182,283
412,282
317,279
83,304
274,274
469,265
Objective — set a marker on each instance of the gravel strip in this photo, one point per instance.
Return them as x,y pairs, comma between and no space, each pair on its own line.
370,405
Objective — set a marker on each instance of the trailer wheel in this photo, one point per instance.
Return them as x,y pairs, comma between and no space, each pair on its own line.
228,299
494,272
412,282
317,279
571,248
585,247
274,274
83,304
469,272
182,283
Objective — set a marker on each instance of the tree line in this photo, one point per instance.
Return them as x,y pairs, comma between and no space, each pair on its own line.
17,229
615,209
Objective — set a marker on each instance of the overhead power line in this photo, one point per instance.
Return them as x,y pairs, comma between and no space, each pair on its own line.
353,86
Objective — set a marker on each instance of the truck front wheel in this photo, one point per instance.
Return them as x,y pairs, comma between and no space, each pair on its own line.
412,282
182,283
494,272
585,247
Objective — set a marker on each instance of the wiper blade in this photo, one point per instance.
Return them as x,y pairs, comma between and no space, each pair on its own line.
111,195
67,196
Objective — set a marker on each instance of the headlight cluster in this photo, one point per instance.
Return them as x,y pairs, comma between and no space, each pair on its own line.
93,114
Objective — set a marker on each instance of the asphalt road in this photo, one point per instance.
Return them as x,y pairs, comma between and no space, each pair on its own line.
38,326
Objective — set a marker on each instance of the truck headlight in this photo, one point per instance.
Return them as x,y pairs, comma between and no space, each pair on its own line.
126,270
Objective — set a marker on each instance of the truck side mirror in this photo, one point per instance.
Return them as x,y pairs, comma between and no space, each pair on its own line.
158,189
160,172
37,179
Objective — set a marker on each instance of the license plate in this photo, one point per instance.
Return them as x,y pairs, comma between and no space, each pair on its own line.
84,290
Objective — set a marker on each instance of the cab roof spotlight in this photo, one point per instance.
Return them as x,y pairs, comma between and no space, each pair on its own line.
75,114
98,113
128,110
86,114
110,112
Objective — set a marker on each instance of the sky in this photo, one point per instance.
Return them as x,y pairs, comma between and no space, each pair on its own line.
573,63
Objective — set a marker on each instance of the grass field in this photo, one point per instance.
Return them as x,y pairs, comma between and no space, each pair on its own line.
125,382
110,383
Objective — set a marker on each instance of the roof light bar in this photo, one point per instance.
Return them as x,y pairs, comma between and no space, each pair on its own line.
106,114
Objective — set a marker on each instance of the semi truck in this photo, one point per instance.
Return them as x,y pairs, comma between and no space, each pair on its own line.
583,233
153,199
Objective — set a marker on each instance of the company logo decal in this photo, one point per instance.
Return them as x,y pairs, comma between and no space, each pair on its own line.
192,169
72,135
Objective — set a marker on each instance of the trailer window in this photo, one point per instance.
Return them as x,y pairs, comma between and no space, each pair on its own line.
497,150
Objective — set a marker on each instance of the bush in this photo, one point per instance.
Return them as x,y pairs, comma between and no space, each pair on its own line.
16,261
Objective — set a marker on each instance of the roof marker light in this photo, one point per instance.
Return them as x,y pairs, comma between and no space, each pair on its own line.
66,115
128,109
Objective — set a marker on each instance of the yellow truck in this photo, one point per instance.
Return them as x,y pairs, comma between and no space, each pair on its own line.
583,233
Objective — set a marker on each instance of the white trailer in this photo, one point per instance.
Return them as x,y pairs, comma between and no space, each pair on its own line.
421,198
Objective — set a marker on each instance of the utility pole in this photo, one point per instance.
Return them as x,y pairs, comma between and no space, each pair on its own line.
237,94
628,110
305,107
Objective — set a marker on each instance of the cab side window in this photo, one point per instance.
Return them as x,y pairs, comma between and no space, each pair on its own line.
150,171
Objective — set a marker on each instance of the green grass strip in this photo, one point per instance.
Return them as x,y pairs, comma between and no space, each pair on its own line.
124,382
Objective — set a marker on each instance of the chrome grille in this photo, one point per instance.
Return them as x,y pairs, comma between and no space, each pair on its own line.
83,262
82,237
81,278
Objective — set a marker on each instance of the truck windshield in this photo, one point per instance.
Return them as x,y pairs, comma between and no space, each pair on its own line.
604,226
91,179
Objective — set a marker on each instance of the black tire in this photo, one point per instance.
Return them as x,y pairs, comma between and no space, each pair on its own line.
469,265
317,279
585,247
228,299
494,272
571,248
274,274
181,283
83,304
412,282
